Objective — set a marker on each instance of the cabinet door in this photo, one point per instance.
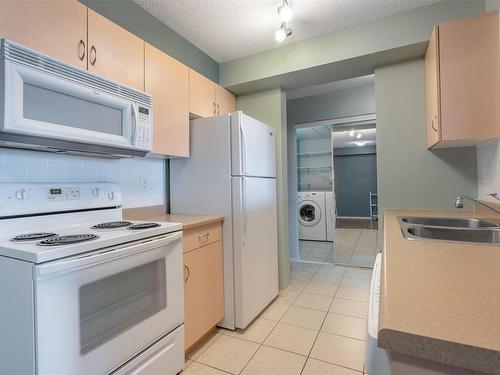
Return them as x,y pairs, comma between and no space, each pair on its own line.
168,81
203,291
432,97
57,28
469,65
201,95
225,100
115,53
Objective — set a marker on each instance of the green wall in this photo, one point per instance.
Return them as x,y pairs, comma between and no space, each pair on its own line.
409,175
492,5
270,108
139,22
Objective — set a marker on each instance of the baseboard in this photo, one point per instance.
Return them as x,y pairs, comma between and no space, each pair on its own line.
354,217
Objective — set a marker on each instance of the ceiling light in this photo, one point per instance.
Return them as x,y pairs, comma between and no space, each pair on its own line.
351,133
282,33
359,135
285,12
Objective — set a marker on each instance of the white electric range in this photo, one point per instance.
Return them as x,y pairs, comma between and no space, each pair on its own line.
84,291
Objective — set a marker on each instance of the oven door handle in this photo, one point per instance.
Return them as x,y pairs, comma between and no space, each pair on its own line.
95,258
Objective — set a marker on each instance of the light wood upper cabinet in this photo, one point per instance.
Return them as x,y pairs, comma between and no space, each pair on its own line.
167,80
201,95
225,100
57,28
203,291
115,53
462,82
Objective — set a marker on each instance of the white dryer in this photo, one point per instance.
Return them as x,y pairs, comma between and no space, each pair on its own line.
331,215
311,209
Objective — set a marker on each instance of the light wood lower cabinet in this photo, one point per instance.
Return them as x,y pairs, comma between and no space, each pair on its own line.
114,53
167,80
57,28
203,291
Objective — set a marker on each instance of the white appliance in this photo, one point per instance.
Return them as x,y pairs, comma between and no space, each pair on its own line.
376,359
49,105
331,215
83,291
311,212
232,173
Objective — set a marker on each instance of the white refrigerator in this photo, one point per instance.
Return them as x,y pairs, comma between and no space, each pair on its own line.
232,172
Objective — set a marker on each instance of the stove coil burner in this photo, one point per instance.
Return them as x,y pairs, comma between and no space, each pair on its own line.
112,225
68,240
143,226
33,236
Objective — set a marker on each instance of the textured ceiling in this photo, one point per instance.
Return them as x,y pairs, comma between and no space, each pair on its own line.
229,29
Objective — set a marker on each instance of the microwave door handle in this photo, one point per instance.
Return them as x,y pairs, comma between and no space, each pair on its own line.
55,268
134,125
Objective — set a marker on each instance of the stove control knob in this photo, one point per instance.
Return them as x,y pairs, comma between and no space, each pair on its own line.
21,194
95,192
111,195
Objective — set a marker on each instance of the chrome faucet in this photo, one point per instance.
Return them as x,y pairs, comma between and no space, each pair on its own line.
459,203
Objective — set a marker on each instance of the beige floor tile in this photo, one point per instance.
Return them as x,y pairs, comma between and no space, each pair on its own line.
271,361
307,244
356,282
345,325
324,247
200,369
362,260
339,350
356,294
301,275
327,278
276,310
313,301
187,363
315,257
350,307
228,354
351,234
292,338
321,288
297,285
289,297
202,346
362,273
346,243
309,267
315,367
302,317
256,332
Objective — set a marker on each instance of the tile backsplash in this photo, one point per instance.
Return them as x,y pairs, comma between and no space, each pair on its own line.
488,168
142,180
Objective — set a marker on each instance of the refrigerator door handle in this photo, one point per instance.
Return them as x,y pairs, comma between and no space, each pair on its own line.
243,151
244,207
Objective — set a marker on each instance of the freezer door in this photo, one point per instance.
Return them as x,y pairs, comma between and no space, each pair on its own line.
253,147
255,246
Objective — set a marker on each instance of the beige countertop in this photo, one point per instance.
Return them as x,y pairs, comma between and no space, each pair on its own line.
157,213
440,300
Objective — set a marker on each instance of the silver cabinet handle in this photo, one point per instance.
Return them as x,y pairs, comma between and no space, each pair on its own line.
187,272
215,112
203,238
81,50
218,109
93,55
432,123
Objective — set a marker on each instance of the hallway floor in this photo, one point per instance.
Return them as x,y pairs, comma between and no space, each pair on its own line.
355,247
318,327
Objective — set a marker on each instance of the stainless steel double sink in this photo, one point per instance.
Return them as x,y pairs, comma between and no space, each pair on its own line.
454,229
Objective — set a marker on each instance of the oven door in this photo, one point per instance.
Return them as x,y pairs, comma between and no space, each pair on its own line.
96,311
44,105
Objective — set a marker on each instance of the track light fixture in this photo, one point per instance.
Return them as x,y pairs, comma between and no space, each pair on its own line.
285,12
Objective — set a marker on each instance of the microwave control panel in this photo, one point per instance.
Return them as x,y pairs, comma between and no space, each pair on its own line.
144,128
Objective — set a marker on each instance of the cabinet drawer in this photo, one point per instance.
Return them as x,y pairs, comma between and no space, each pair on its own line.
201,236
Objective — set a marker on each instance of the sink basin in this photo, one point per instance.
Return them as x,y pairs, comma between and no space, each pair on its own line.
484,236
455,222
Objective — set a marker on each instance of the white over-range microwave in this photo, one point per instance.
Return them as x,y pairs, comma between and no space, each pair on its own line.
48,105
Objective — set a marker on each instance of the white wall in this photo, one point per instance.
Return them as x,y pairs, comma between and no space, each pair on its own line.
32,166
488,169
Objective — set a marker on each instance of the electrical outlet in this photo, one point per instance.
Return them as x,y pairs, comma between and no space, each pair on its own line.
144,184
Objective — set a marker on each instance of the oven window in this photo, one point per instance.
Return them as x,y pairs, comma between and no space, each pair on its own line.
53,107
112,305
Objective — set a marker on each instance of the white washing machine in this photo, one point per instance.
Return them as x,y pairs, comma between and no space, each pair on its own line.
311,209
331,216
